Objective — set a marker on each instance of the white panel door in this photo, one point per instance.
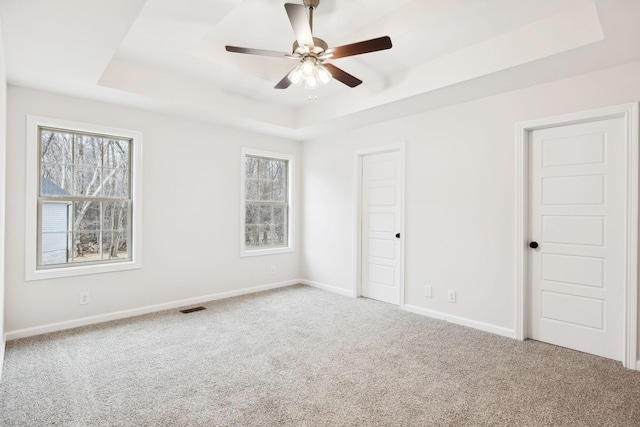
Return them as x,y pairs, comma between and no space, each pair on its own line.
380,272
578,212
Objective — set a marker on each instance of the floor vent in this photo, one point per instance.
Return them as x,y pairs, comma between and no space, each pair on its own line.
191,310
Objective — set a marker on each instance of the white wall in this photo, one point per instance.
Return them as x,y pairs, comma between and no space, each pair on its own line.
190,224
3,135
460,194
460,207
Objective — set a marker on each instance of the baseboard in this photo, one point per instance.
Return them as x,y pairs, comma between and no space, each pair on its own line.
85,321
498,330
322,286
2,347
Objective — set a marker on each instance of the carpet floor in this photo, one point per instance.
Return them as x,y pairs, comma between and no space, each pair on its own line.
299,356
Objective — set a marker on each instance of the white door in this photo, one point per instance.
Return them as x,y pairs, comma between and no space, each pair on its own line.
578,212
381,198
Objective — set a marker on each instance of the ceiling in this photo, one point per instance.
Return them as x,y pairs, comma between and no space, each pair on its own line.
168,56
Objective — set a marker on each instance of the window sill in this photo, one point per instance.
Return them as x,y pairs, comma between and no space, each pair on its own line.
57,273
245,253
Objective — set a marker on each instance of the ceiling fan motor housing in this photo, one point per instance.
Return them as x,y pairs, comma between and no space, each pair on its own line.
311,3
319,44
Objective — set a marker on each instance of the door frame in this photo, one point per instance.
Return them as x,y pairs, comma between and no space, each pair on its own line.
629,113
357,190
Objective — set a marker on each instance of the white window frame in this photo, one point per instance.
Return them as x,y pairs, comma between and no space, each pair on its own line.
33,178
291,171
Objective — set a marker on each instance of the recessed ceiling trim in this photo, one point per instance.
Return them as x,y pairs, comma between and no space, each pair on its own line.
562,32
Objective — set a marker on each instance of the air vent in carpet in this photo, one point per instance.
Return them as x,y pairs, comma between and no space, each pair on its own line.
191,310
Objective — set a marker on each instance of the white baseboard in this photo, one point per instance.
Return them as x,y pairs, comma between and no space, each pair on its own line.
498,330
322,286
2,347
85,321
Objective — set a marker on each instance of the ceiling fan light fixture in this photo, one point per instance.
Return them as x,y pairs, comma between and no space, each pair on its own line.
308,67
311,82
310,72
295,76
324,76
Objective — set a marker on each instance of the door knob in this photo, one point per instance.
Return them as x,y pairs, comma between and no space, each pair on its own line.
533,245
397,235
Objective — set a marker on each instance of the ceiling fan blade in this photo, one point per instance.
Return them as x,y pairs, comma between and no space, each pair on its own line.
299,21
261,52
284,83
343,76
373,45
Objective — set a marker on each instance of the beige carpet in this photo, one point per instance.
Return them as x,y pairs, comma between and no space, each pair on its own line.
304,357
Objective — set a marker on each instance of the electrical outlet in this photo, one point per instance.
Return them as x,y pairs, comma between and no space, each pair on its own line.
84,298
451,296
273,269
428,291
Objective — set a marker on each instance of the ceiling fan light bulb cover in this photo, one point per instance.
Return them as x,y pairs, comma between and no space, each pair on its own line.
324,76
295,76
310,82
307,68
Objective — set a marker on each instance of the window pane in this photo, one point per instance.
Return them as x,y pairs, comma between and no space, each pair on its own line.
251,189
85,247
278,170
54,248
264,235
115,183
115,216
279,214
266,214
251,236
87,181
55,217
88,150
86,216
263,168
114,245
266,190
280,238
251,167
280,225
279,191
56,180
55,147
252,214
116,154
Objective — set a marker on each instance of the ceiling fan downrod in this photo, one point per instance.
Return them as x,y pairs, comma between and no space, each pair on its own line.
311,5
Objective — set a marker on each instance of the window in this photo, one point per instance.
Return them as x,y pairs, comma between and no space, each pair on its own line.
82,182
266,203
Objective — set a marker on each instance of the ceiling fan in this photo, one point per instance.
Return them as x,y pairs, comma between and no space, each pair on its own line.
312,52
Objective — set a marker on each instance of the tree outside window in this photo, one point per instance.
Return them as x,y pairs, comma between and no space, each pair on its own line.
266,202
84,198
